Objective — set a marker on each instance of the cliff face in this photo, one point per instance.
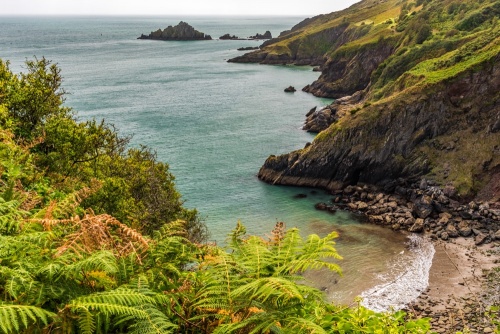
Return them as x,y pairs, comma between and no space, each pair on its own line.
424,78
417,133
346,74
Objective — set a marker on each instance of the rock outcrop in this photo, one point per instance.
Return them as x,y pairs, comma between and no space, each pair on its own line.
345,74
406,136
229,37
248,48
319,120
266,35
412,98
181,32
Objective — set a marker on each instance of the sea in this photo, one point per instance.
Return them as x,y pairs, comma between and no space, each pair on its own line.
215,123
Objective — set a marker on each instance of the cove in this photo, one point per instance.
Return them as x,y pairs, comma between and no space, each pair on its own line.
214,123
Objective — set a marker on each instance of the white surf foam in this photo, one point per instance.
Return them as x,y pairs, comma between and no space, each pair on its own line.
406,279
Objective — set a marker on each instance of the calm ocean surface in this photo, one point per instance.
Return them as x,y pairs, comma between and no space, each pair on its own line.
214,123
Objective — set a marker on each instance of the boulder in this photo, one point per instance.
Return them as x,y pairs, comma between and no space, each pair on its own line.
452,231
423,206
319,120
464,229
418,227
362,205
444,236
482,238
321,206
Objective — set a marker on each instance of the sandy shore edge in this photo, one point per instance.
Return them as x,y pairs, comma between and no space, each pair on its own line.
462,285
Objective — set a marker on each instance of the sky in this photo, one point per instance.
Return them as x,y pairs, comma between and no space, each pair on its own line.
172,7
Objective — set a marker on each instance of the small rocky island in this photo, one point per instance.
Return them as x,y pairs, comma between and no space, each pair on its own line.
266,35
181,32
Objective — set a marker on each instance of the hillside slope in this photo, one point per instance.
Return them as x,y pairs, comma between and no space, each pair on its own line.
417,89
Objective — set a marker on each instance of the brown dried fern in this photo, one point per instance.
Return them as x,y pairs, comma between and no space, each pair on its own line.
97,232
278,233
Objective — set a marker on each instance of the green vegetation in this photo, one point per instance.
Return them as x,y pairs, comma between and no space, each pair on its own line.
94,239
398,58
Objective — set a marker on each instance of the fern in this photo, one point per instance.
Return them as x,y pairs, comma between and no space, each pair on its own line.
78,270
277,289
10,216
157,322
15,318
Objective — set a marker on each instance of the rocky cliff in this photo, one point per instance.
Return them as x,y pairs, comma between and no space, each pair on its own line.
417,85
181,32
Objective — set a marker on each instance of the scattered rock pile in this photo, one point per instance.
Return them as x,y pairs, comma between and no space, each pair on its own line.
421,207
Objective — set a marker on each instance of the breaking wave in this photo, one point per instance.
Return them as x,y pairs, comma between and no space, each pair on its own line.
406,279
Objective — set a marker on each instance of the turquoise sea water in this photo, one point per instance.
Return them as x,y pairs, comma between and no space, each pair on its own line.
214,122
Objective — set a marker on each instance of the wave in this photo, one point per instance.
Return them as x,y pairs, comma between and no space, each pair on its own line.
406,279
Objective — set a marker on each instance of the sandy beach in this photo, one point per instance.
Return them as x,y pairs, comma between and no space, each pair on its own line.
462,286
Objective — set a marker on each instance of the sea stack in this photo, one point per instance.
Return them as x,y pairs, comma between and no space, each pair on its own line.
181,32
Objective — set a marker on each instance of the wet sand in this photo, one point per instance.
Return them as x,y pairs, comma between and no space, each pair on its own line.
458,295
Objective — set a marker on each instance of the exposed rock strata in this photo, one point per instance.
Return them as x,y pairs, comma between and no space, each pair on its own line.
346,74
181,32
299,52
392,139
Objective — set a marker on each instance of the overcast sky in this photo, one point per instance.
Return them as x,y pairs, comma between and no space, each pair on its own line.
171,7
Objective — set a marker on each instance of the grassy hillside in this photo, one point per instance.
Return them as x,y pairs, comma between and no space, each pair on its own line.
398,58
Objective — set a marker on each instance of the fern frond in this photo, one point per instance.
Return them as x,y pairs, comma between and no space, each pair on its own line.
256,257
10,216
66,207
157,322
14,318
120,296
103,260
175,228
278,289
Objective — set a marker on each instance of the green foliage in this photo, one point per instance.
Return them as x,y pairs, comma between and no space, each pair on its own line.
16,318
477,18
362,320
61,155
33,97
67,265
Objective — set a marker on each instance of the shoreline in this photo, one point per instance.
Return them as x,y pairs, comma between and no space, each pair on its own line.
458,293
462,280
